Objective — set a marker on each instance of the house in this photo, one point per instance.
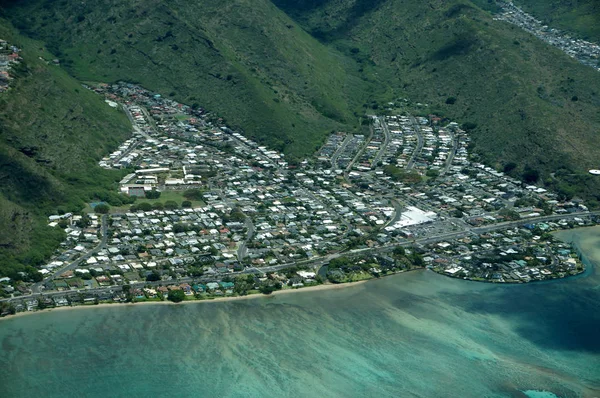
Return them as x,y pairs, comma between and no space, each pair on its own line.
227,285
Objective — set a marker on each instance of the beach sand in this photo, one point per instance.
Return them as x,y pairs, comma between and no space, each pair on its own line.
327,286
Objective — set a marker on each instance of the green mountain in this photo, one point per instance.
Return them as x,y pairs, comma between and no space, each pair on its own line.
288,72
525,102
52,133
244,59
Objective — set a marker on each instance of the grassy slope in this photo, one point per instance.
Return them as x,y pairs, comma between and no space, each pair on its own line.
515,88
52,131
244,59
579,17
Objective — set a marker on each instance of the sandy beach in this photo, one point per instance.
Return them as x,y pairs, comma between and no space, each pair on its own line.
327,286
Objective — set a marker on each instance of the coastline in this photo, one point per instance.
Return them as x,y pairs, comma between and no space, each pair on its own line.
323,287
492,282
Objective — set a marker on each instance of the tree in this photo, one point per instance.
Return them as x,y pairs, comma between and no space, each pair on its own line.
399,251
178,228
269,288
417,259
153,277
186,203
176,296
431,173
508,167
193,194
144,206
153,194
83,222
531,175
102,208
171,205
339,262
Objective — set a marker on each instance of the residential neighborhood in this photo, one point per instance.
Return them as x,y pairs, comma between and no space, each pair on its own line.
9,58
217,214
585,52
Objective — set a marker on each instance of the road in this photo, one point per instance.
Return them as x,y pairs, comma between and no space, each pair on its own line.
420,143
451,154
243,249
397,212
385,143
37,288
360,151
316,262
340,150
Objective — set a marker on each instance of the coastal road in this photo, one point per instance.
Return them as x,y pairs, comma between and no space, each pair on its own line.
317,262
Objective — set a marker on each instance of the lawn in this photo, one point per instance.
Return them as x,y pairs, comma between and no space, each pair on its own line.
175,196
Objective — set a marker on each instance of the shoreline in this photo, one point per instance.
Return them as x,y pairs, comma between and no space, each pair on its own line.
493,282
323,287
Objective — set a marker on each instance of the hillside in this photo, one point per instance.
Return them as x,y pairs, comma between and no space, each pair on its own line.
524,101
52,132
287,73
245,60
578,17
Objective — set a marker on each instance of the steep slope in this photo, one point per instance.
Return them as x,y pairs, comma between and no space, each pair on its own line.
244,59
525,102
52,132
579,17
251,62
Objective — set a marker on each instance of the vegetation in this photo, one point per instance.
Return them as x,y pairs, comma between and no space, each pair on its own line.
53,132
176,296
102,208
579,17
245,60
268,288
153,194
401,175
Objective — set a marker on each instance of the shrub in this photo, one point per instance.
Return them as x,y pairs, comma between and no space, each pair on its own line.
102,208
176,296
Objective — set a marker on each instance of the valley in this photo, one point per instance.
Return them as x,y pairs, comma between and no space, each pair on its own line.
252,222
350,153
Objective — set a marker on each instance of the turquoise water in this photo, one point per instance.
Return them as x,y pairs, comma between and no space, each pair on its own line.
412,335
539,394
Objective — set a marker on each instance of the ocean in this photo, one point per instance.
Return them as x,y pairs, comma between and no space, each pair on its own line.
417,334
